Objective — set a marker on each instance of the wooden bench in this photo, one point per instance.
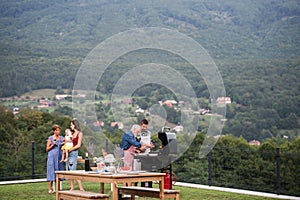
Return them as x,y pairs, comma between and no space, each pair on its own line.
80,195
146,192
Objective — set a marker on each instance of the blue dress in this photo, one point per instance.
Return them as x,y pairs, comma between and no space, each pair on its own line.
54,156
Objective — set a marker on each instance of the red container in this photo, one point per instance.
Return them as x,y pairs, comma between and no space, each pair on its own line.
167,181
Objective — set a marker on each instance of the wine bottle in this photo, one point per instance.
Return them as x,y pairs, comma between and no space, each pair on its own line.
87,162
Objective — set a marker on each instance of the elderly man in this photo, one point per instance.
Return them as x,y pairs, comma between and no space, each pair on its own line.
129,145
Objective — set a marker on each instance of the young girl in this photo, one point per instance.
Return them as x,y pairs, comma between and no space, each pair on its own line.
68,144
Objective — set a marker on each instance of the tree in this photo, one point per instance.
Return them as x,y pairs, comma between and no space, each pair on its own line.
30,118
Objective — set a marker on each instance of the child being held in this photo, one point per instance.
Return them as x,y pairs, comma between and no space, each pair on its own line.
68,144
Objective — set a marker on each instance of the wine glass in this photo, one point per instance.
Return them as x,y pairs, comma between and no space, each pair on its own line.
70,165
100,167
113,168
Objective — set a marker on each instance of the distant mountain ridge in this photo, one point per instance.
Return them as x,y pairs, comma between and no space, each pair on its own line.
69,23
44,42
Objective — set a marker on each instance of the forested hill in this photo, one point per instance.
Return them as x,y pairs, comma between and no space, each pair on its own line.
43,42
256,45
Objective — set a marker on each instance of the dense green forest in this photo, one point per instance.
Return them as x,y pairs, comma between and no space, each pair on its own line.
43,44
235,163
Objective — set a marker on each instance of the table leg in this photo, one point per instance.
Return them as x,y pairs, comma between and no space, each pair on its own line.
161,189
114,191
57,186
102,188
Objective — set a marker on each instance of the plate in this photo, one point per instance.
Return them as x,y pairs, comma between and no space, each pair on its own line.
123,172
127,172
106,173
141,171
131,172
92,172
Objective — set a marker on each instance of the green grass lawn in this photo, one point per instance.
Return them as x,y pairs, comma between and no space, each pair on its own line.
38,191
46,93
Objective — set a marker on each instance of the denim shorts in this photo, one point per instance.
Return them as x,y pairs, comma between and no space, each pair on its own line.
71,164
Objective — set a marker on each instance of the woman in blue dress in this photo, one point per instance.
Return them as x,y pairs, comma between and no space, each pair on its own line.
54,156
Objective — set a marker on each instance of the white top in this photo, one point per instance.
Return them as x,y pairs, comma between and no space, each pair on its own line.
68,141
146,139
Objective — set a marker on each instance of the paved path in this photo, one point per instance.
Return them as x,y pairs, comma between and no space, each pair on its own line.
22,181
263,194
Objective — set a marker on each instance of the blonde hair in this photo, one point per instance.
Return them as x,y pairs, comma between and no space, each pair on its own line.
68,131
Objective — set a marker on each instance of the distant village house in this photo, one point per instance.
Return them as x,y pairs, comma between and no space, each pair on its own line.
45,103
221,101
254,142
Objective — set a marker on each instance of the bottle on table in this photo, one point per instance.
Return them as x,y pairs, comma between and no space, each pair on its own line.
87,162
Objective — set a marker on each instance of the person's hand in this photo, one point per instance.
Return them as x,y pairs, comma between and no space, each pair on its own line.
151,146
142,149
137,150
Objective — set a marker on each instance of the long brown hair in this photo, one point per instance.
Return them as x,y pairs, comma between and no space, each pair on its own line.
76,124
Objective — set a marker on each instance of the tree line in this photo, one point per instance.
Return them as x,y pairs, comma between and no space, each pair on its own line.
235,163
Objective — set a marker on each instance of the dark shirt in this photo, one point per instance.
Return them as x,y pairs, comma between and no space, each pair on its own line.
129,140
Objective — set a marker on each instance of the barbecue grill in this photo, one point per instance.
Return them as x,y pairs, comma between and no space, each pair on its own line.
162,159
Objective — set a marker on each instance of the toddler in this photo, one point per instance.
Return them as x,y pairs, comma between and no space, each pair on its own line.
68,144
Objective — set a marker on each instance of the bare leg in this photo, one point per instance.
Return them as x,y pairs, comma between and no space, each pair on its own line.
67,156
80,185
63,156
50,185
72,184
